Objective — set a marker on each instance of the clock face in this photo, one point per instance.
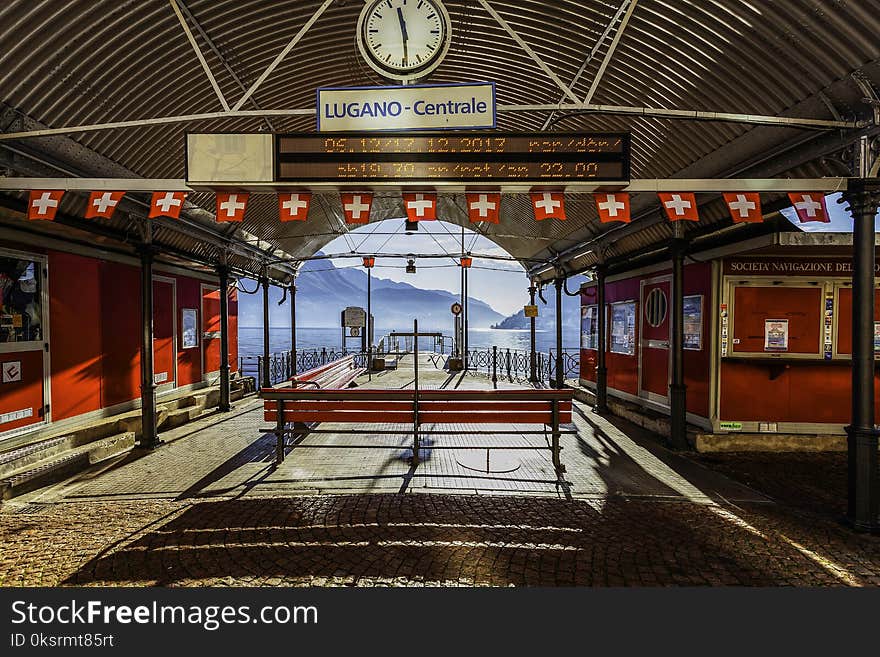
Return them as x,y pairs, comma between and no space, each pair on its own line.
404,39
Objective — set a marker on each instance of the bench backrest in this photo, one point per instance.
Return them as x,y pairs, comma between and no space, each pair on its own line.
526,406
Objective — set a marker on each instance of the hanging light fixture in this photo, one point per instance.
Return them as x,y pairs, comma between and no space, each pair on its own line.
369,261
466,262
411,227
410,266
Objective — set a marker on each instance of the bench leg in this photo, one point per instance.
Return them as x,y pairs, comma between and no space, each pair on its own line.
279,434
556,447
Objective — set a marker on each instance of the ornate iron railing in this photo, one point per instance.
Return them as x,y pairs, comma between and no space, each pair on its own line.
516,365
281,364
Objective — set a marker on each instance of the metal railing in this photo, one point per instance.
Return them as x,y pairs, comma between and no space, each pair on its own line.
516,365
281,364
497,364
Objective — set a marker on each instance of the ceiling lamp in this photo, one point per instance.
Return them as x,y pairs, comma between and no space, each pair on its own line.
466,262
369,261
411,227
410,266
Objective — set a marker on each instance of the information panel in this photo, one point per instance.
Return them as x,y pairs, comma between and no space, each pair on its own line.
480,157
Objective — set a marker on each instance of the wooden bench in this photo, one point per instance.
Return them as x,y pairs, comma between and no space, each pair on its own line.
335,375
303,406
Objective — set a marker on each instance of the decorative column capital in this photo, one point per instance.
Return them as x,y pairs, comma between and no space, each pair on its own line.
862,196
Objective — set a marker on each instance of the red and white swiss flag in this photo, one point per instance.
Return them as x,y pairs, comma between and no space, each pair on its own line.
103,204
679,206
43,204
294,207
357,207
613,207
167,204
548,205
420,206
810,206
231,207
744,207
484,206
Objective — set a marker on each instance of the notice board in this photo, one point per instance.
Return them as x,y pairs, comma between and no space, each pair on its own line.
799,308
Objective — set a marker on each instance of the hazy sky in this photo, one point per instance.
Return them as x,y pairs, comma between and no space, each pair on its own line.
501,284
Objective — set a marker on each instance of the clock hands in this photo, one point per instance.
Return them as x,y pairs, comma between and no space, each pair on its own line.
403,34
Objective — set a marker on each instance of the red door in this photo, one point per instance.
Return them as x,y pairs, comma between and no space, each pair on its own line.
211,329
654,365
164,352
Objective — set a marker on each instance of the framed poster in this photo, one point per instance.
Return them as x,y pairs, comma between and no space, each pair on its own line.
876,339
775,335
189,320
693,322
623,328
589,328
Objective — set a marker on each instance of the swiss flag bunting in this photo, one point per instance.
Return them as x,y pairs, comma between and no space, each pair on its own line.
810,207
231,207
43,204
103,204
548,205
357,207
744,207
679,206
167,204
613,207
484,206
420,207
294,207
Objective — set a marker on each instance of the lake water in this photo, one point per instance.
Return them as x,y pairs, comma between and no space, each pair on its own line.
250,340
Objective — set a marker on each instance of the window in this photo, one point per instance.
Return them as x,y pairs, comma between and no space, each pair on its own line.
623,328
589,327
655,307
21,305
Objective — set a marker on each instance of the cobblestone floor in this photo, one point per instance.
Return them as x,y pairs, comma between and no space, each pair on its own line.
208,509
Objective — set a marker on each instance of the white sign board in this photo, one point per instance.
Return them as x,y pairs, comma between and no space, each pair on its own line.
354,317
414,107
11,371
227,158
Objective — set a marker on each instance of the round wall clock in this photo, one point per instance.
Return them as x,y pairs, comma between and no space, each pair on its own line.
404,39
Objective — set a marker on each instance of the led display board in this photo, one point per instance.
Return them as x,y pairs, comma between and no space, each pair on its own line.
479,157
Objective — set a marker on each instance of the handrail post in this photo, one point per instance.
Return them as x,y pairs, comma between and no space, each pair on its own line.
494,366
416,442
508,364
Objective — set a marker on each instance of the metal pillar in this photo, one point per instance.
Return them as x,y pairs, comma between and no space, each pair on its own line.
149,432
293,328
464,318
601,368
560,370
677,388
863,478
223,273
267,381
533,357
369,326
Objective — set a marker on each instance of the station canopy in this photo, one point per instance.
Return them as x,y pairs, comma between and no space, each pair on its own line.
709,89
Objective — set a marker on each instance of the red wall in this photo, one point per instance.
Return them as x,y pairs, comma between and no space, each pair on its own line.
623,370
189,361
75,327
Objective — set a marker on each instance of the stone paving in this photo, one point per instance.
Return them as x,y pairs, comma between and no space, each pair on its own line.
208,509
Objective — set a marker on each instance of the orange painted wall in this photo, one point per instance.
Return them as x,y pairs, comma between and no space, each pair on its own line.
120,333
189,361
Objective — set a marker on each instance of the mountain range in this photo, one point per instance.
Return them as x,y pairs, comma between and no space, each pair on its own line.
324,290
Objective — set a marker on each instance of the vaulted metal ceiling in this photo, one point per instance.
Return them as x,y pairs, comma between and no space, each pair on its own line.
75,62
